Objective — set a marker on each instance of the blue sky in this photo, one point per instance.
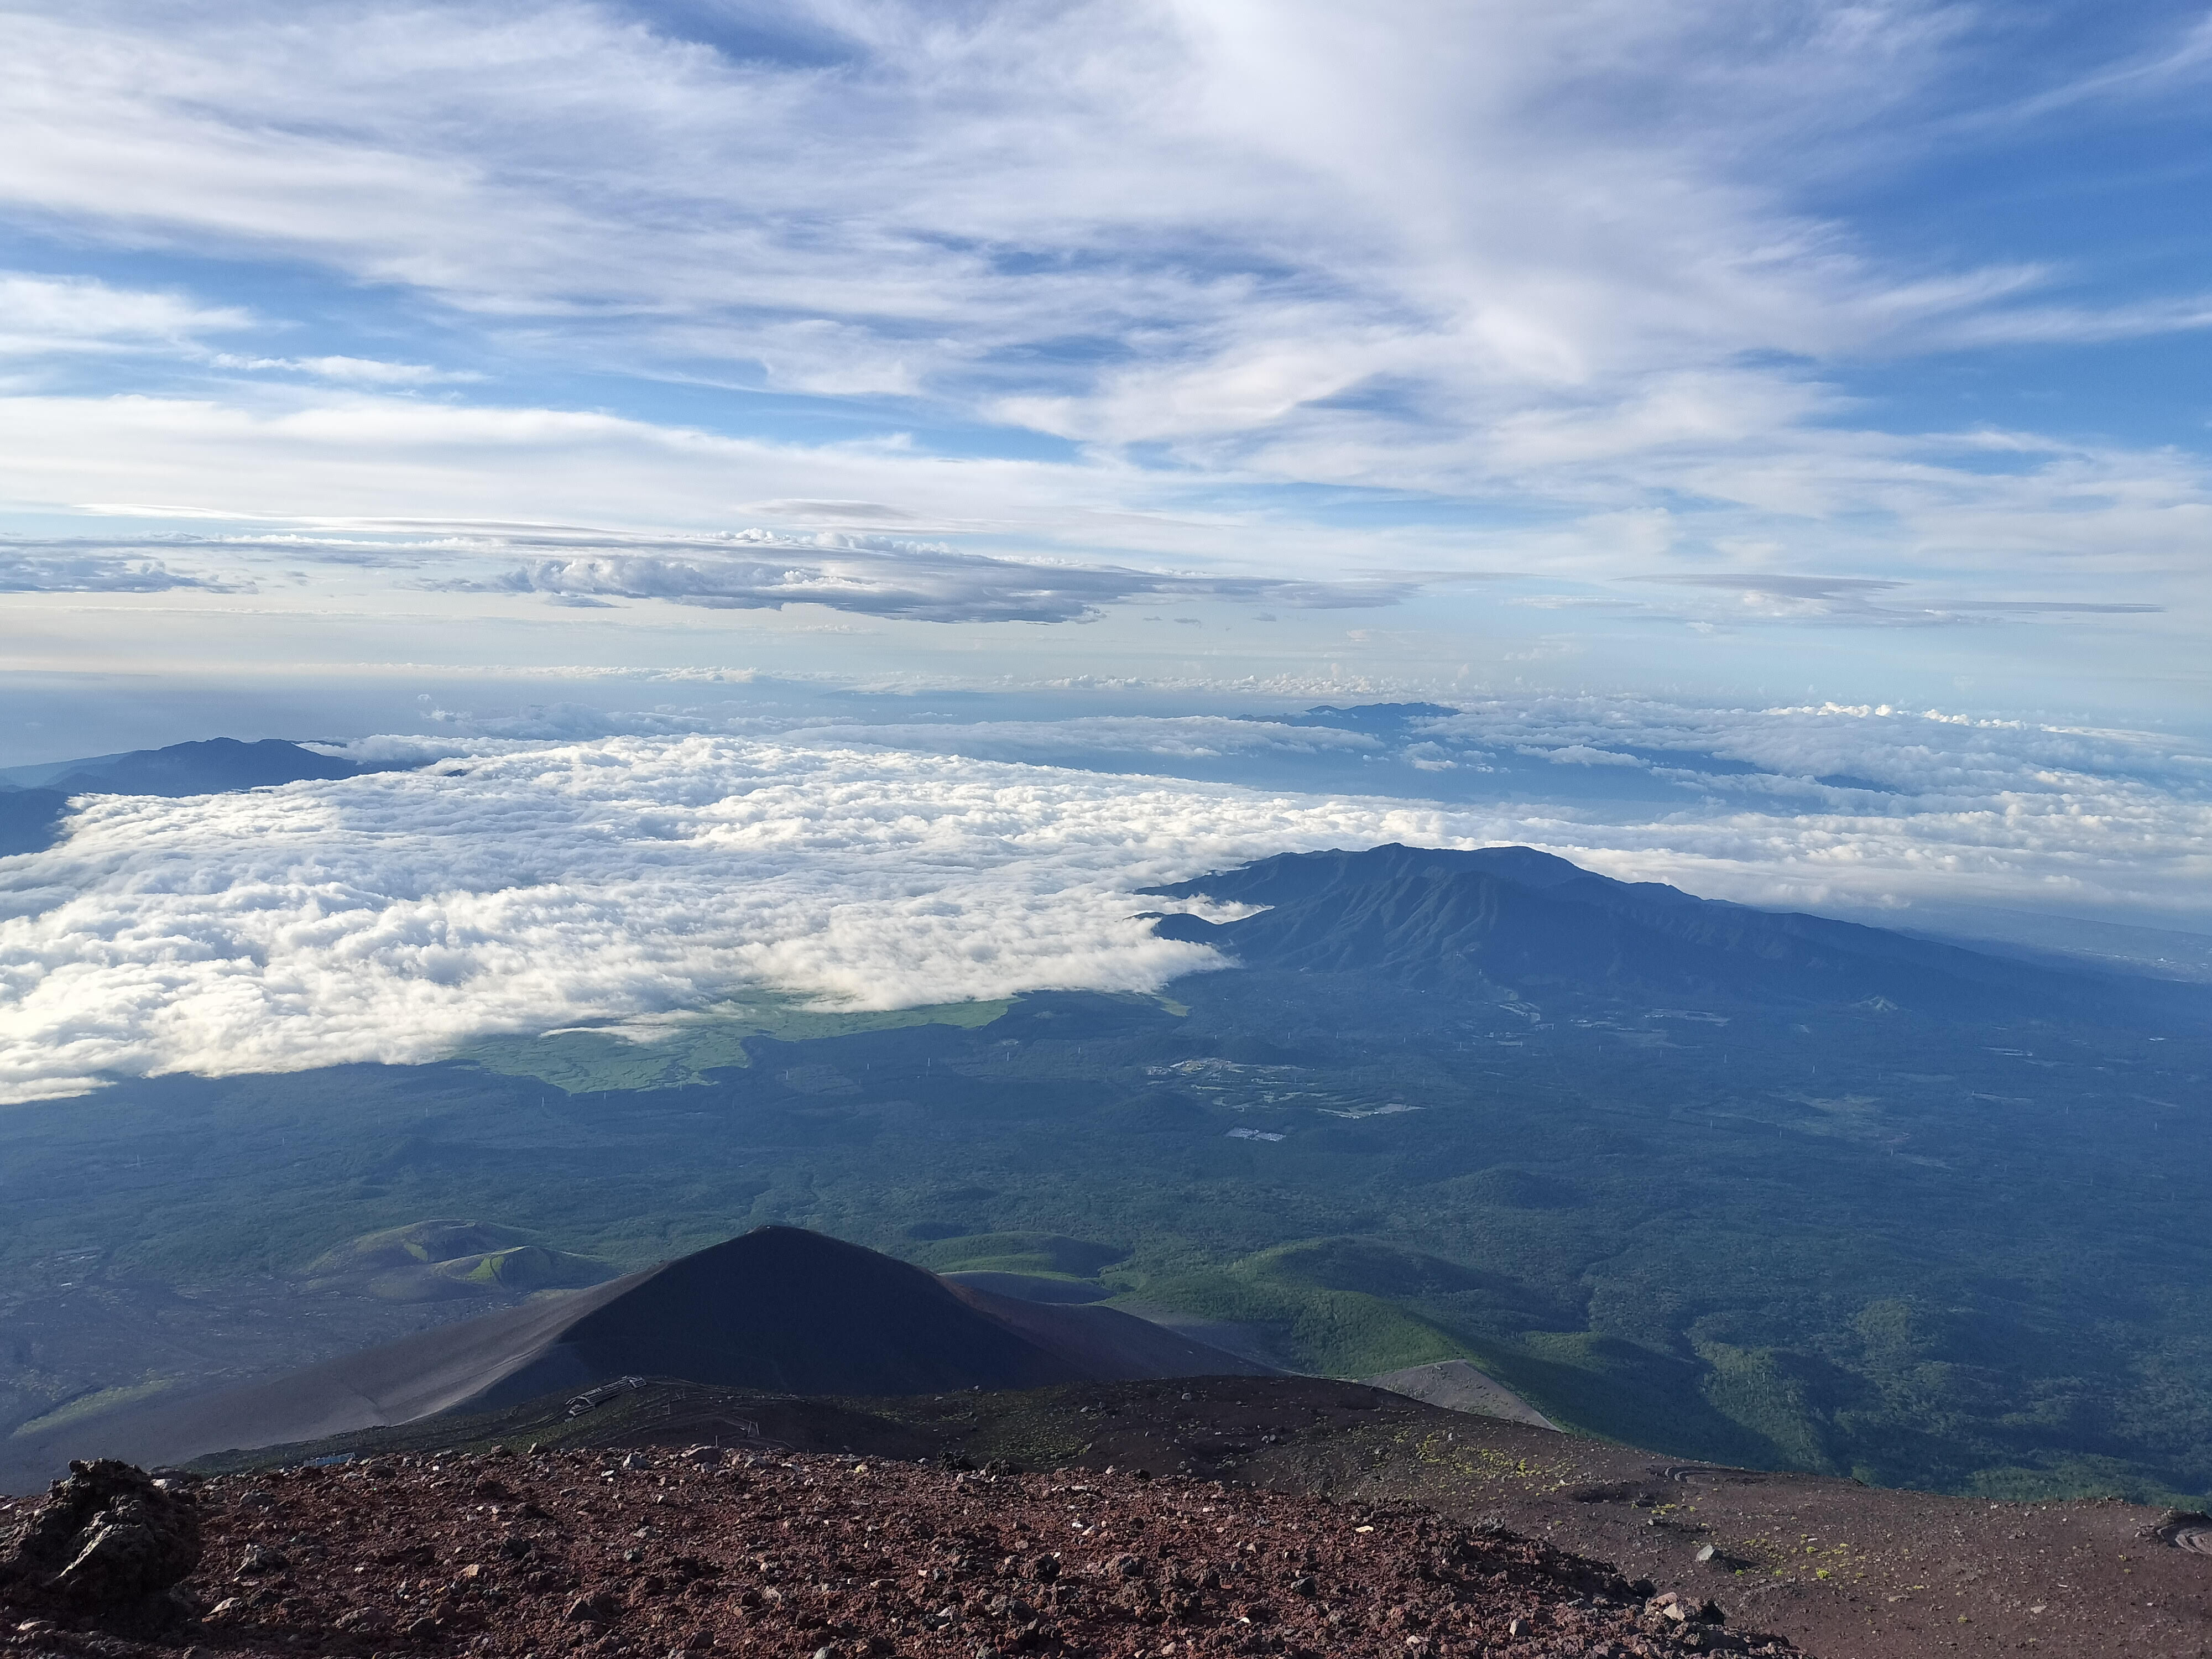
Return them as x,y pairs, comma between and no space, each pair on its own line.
899,463
1721,349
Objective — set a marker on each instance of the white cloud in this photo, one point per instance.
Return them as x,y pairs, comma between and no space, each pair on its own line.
524,887
1124,741
1207,225
389,917
293,454
858,571
40,315
884,577
353,371
2063,523
1291,288
52,569
1866,600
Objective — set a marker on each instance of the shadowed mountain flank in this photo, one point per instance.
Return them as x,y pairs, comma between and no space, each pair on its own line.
208,767
33,798
1456,1386
215,766
779,1310
30,819
1511,916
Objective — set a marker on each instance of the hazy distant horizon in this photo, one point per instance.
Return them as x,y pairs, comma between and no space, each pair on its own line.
355,354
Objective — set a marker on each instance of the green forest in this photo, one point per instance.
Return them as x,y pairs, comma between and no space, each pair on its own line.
1860,1242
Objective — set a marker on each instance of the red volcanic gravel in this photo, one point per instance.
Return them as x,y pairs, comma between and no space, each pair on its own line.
666,1554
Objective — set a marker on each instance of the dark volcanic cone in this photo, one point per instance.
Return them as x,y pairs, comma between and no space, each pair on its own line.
779,1310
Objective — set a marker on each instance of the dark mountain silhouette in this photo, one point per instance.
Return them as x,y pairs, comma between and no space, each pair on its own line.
33,798
29,819
217,766
780,1308
1512,916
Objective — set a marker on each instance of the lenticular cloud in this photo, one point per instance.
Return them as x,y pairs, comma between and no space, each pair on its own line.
391,917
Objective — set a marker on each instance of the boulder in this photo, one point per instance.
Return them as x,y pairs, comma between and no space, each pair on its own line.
109,1538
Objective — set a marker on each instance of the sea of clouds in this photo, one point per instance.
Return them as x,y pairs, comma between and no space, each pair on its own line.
524,885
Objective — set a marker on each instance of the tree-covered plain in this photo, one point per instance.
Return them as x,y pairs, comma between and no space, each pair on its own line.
1858,1240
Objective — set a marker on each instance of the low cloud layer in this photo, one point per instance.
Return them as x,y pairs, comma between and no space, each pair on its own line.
1883,601
49,569
390,918
522,887
884,577
933,579
860,572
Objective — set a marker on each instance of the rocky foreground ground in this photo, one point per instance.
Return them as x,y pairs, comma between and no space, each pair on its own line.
702,1550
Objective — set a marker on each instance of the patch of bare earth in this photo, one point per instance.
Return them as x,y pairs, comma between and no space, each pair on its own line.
666,1552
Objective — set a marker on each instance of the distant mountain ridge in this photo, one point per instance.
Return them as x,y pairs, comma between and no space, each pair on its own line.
33,798
209,766
1512,916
